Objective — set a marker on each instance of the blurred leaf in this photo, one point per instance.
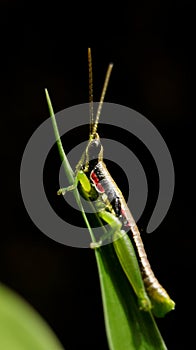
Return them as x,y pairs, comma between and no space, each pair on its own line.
21,327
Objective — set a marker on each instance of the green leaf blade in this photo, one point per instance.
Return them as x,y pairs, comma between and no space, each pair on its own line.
127,327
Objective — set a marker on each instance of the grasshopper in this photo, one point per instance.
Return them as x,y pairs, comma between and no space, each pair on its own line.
95,183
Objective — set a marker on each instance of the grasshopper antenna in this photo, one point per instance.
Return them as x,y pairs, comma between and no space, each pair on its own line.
93,124
107,78
90,74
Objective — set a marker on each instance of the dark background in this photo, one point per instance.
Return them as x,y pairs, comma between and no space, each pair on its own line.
152,47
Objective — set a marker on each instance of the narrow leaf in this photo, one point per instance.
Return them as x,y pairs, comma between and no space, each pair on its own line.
127,327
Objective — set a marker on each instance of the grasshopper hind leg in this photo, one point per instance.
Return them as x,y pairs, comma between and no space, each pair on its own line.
115,226
126,255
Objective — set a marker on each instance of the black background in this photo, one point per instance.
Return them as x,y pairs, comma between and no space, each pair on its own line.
152,48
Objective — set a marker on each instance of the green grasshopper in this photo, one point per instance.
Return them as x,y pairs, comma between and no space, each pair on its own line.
96,185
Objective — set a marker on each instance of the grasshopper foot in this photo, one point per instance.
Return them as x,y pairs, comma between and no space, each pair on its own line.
95,245
62,191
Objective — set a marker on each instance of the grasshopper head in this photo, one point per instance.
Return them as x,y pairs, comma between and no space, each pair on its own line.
93,153
94,149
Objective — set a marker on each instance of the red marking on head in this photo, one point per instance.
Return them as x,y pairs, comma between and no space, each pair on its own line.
100,188
96,182
94,178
